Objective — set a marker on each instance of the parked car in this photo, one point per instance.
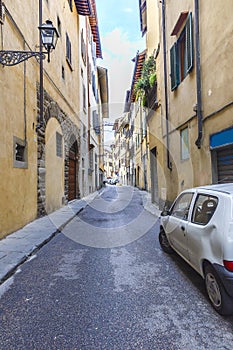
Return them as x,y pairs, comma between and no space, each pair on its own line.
114,181
107,180
199,227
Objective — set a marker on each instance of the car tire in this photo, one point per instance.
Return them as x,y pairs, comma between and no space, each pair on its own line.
217,294
165,245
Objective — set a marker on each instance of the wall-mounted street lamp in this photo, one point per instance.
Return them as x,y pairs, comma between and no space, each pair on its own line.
48,35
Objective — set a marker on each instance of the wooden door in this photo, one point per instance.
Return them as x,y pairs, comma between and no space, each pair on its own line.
72,192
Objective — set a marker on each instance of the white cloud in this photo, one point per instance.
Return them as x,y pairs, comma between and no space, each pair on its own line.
128,9
118,52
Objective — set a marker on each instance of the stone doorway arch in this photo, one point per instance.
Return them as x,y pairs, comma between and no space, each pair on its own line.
71,134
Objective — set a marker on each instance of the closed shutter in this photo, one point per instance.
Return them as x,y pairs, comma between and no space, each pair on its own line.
143,16
68,49
174,67
71,5
1,12
189,43
225,165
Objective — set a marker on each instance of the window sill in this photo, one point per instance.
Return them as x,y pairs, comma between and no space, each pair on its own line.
20,165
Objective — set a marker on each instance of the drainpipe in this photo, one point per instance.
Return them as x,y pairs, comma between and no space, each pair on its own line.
25,100
88,93
41,118
169,164
198,76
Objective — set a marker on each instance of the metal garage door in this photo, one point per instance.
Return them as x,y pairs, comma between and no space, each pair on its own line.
225,164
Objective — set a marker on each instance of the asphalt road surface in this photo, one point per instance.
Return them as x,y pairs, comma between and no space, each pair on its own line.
104,284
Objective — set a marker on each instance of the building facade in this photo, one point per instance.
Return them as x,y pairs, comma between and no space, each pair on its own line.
191,123
45,127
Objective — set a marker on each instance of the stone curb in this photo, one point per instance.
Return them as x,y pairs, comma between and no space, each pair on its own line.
17,247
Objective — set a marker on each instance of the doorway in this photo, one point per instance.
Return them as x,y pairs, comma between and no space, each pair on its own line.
72,183
154,176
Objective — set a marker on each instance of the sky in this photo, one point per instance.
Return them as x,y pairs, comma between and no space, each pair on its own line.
120,36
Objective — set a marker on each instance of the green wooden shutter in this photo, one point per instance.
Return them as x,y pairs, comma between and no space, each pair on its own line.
189,43
1,12
174,67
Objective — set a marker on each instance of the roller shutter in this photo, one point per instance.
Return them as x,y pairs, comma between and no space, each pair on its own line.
225,164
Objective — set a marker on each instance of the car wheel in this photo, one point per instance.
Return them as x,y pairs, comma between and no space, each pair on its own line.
165,245
219,298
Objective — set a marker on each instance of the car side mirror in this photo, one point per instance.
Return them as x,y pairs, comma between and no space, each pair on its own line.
165,212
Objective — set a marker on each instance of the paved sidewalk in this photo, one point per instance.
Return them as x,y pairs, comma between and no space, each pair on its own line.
151,207
17,247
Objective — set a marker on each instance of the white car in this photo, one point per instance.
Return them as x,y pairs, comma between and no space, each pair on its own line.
199,227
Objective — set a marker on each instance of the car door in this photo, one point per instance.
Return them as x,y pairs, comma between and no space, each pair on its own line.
201,233
177,224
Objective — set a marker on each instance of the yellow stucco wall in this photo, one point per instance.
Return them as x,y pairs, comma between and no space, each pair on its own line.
18,100
216,54
153,34
216,47
18,186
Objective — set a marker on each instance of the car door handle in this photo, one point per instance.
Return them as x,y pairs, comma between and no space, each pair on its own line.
182,228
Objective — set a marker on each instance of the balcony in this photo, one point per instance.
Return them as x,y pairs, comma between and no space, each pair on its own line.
151,100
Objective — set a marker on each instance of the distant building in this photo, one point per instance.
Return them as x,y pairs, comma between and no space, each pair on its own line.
108,163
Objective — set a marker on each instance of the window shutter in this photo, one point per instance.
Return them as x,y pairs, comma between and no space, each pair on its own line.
96,123
68,49
143,15
189,43
67,45
71,5
1,12
174,67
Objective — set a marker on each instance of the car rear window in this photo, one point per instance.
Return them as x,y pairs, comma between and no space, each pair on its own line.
204,209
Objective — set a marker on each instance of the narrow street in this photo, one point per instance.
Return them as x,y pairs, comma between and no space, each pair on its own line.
105,284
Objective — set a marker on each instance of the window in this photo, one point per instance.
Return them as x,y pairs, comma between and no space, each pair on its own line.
143,17
84,98
91,160
144,128
204,209
59,25
63,72
181,207
84,132
96,123
181,55
89,73
19,153
1,12
184,140
68,50
71,4
94,88
59,145
93,51
83,48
